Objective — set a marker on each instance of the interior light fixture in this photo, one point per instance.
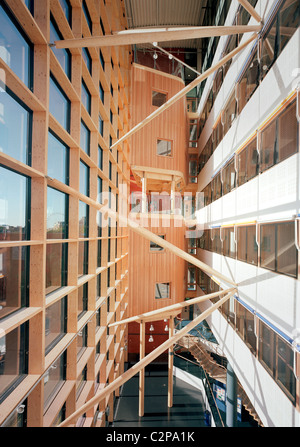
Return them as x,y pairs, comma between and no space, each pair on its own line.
151,328
166,328
155,55
151,339
155,44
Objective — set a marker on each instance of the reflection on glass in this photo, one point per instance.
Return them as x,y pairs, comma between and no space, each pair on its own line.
15,127
54,379
59,104
84,178
82,300
17,417
14,207
55,323
83,258
58,159
83,219
57,214
56,266
87,59
14,279
162,290
81,341
15,50
85,97
67,9
164,148
63,55
85,137
13,359
100,158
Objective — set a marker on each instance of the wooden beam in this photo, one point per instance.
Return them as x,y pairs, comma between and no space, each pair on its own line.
166,34
170,364
171,56
123,378
184,91
142,371
162,312
251,10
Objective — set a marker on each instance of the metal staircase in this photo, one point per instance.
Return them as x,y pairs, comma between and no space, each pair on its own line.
198,346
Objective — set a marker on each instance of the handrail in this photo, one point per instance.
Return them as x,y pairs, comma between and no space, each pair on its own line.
207,382
99,396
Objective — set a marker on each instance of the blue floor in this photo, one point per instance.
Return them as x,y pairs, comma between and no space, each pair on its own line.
187,411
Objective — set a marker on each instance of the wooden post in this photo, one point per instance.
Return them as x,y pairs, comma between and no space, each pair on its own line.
142,371
171,364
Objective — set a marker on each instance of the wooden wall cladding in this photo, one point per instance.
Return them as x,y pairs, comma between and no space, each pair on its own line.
150,267
170,125
158,333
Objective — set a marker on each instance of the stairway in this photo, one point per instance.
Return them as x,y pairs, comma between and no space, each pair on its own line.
214,370
211,367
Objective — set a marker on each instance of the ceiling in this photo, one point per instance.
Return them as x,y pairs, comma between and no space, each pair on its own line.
155,13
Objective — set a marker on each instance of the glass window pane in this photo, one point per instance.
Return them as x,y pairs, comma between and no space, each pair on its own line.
83,219
13,359
87,59
59,104
84,179
242,166
288,132
286,253
252,160
285,364
242,244
100,157
289,18
58,159
85,97
162,290
252,249
155,247
266,346
56,266
164,147
15,127
54,378
267,150
267,246
158,98
269,49
85,136
57,214
67,9
82,300
228,178
15,49
83,258
55,323
62,55
14,279
250,337
14,206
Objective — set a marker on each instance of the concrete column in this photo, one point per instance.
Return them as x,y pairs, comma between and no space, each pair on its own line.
231,397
